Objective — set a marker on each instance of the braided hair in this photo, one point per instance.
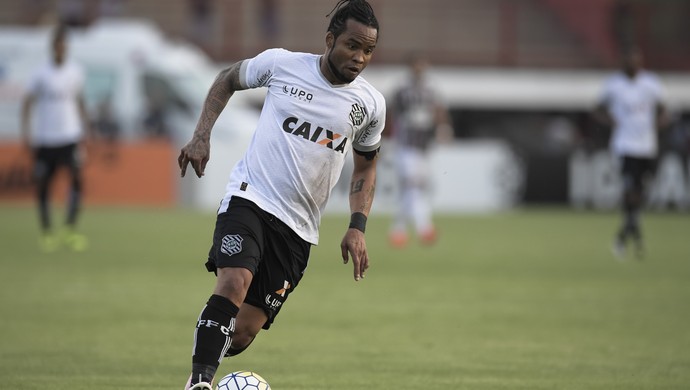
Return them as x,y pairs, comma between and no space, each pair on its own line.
359,10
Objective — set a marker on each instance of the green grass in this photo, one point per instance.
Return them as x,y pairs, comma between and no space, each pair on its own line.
522,300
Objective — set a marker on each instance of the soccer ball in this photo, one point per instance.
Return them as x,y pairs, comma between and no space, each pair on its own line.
243,380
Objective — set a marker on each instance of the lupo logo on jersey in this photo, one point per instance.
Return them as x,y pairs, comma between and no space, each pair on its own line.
298,93
319,135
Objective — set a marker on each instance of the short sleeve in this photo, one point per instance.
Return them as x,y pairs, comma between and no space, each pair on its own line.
257,72
369,138
34,83
657,89
606,92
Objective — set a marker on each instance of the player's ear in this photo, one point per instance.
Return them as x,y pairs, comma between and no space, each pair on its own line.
330,40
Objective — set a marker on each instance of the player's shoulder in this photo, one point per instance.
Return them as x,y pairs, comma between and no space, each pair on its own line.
75,67
284,55
650,77
616,77
366,86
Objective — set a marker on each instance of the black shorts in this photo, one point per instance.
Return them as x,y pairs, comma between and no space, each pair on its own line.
248,237
636,170
49,158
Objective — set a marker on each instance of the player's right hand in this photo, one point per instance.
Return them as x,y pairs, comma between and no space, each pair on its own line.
197,153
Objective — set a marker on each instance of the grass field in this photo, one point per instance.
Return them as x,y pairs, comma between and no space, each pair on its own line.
522,300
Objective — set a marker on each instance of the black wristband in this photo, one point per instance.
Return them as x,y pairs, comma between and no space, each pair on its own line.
358,221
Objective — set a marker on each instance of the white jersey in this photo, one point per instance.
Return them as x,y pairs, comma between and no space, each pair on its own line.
306,128
56,119
632,105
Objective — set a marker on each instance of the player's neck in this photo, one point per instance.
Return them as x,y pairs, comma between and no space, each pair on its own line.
329,72
632,74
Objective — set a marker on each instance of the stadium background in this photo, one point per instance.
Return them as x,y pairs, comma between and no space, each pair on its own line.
525,73
520,292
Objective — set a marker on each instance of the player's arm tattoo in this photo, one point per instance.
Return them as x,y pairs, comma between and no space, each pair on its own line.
224,86
364,194
356,186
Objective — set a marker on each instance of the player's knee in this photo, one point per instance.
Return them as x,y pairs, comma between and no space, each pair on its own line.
233,283
76,182
240,343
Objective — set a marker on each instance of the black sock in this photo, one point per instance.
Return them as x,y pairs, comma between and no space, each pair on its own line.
212,337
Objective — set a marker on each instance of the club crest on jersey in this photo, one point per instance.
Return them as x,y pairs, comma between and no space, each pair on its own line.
315,134
231,244
357,115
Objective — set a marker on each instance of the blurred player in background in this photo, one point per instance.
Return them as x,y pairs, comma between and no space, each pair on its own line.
418,119
55,103
316,110
631,104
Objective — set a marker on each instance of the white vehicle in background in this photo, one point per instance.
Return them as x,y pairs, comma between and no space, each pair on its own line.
144,80
129,64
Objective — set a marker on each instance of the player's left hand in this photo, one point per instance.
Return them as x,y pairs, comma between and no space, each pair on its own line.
353,245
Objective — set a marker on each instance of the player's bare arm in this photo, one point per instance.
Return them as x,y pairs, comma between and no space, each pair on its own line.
84,117
197,150
601,115
362,188
27,105
662,117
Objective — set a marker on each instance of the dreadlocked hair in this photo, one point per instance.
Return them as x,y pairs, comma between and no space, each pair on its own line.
359,10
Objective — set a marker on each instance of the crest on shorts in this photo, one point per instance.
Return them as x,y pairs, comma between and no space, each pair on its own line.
231,245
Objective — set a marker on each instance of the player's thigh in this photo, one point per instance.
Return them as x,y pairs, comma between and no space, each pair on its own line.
282,266
414,167
72,158
45,164
233,283
237,239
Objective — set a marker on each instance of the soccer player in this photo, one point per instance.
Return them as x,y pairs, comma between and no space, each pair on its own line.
60,129
316,111
419,118
632,105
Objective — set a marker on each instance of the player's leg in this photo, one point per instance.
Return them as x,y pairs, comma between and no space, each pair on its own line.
279,272
632,198
421,200
397,235
75,169
234,257
73,161
250,320
43,173
216,323
644,170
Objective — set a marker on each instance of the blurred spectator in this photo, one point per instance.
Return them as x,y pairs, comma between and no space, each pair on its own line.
632,105
55,93
418,118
